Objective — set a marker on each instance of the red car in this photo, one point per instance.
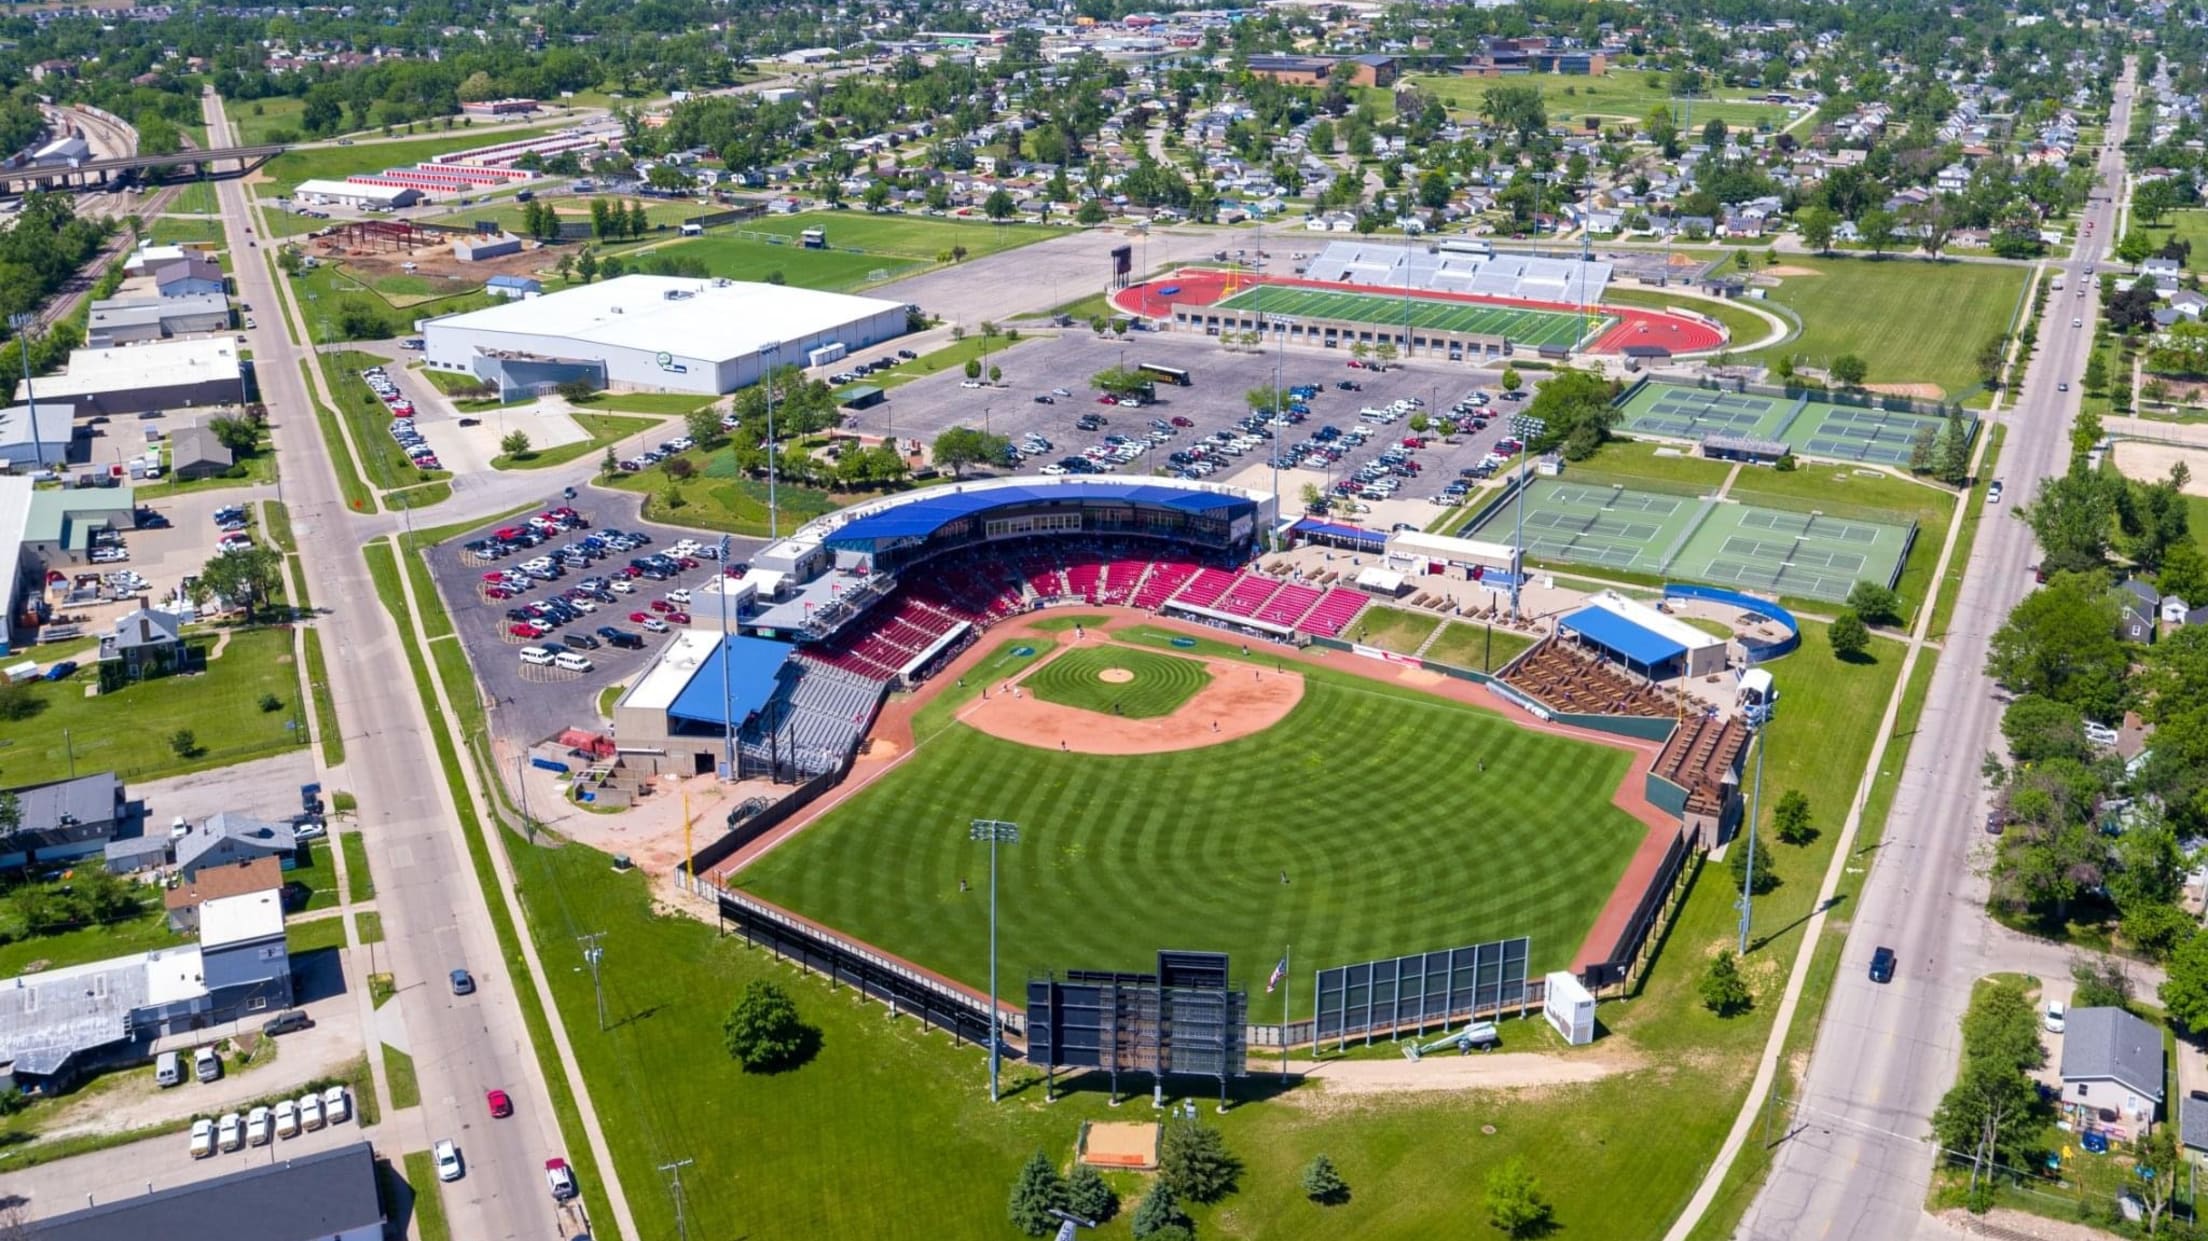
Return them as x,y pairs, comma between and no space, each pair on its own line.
678,618
1107,399
640,617
688,562
631,571
1181,421
524,629
501,1106
661,605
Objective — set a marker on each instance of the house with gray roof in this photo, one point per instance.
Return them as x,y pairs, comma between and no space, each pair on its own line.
194,452
2112,1062
63,820
228,838
143,643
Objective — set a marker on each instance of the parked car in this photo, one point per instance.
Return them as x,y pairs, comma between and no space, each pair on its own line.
337,1105
260,1128
448,1160
230,1132
2056,1016
311,1116
203,1138
288,1021
287,1119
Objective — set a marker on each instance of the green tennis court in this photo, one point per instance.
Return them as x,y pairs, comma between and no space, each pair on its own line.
1581,523
1809,425
1809,555
1533,328
1682,412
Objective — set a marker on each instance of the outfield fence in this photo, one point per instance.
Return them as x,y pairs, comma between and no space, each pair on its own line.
1634,948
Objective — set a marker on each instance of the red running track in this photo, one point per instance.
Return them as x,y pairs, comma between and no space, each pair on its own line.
1636,326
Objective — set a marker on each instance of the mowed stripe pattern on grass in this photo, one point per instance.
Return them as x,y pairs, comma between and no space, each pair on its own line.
1530,327
1371,799
1161,682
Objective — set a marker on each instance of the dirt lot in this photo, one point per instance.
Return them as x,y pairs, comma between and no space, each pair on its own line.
2142,460
433,262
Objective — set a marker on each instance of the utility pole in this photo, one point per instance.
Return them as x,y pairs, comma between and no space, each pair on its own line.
593,953
995,831
674,1189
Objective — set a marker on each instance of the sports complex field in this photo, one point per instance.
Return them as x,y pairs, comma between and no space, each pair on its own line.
1812,555
1119,680
1533,328
1811,427
1402,822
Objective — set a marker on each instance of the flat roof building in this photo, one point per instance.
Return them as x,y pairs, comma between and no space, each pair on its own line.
165,375
1644,639
664,332
327,1196
24,447
129,321
355,193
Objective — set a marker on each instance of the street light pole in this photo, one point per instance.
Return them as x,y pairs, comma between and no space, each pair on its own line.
995,831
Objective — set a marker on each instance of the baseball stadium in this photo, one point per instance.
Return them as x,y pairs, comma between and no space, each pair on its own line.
1186,752
1465,304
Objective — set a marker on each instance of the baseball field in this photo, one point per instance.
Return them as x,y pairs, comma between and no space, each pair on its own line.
1371,820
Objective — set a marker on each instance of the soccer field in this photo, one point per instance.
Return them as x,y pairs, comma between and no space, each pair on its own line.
1535,328
1402,822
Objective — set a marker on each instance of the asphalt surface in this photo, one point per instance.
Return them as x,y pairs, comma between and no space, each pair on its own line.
1854,1162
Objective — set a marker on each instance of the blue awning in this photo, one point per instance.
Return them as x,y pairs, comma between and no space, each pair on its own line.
754,669
1336,530
1622,637
923,517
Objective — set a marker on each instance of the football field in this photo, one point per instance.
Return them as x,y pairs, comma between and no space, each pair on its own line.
1373,820
1532,328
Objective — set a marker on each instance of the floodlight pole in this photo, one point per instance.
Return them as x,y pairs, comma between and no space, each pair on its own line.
1281,324
728,705
772,349
995,831
23,322
1757,723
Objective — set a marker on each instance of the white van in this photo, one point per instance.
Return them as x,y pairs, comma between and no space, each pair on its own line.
537,655
572,662
168,1070
206,1065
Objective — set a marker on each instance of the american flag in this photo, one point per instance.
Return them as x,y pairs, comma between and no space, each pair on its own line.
1280,972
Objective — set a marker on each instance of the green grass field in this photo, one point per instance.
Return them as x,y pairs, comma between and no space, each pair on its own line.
194,198
1622,95
2189,225
128,731
1526,327
604,429
339,162
1158,686
738,258
1392,629
1882,311
1481,648
918,237
1122,856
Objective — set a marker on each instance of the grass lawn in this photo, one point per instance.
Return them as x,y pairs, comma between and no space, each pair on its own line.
358,497
1480,648
661,403
741,258
368,927
255,119
429,1201
1103,832
322,290
144,933
604,429
339,162
1142,684
128,731
990,352
171,231
318,875
315,935
360,884
918,237
1392,629
2189,225
194,198
1623,95
325,708
1879,310
1635,464
386,462
260,468
721,501
398,1069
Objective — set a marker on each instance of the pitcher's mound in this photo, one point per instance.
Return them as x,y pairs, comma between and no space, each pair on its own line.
1237,701
1115,676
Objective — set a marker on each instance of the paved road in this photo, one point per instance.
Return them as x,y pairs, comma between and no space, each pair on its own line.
1856,1166
434,916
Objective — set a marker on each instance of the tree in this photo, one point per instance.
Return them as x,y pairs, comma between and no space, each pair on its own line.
763,1031
1986,1117
973,368
1120,381
2000,1026
1850,636
1091,211
247,578
1193,1159
610,464
1663,131
1878,229
1322,1184
240,435
2072,518
1090,1196
1512,380
2184,573
1817,225
1736,861
1035,1194
996,374
998,206
2060,641
2038,728
1576,411
514,443
185,742
1790,818
958,447
1516,109
2101,983
1515,1206
2158,1167
586,264
1724,991
1849,370
2184,990
704,426
1158,1211
1876,604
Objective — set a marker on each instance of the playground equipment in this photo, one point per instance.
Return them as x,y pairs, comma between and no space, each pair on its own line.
1481,1034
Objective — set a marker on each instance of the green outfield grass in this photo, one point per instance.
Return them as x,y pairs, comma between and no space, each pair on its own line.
1526,327
741,258
1913,322
1160,684
1125,855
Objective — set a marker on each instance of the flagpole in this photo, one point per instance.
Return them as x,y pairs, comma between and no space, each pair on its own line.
1287,985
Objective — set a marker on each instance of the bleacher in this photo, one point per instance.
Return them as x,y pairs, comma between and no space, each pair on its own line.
816,720
1288,605
1568,679
1205,589
1247,595
1334,611
1166,578
1698,756
1121,579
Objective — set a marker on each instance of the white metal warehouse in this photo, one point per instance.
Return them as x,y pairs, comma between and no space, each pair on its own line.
663,332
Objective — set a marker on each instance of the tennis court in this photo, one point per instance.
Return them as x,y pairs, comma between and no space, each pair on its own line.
1595,524
1808,555
1808,425
1534,328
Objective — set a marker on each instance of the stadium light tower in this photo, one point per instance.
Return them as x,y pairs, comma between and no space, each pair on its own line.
22,322
1281,324
728,702
768,351
1759,721
996,832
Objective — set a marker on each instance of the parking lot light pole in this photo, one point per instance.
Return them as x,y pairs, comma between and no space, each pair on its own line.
995,831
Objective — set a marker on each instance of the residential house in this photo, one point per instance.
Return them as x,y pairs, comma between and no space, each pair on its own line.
2112,1062
240,878
2166,273
143,643
243,958
228,837
63,820
2174,611
2139,604
190,276
194,452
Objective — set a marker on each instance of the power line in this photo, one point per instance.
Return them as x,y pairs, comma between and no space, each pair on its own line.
674,1190
593,953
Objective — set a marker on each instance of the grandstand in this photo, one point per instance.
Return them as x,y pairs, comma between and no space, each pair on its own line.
1445,270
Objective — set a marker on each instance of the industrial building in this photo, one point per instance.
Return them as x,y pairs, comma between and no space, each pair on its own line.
661,332
25,445
326,1196
49,531
355,194
173,374
135,320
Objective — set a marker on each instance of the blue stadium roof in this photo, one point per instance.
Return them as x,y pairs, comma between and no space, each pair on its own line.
921,518
754,669
1336,530
1635,644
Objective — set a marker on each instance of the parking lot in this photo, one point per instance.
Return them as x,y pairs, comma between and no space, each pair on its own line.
535,700
175,539
1215,401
